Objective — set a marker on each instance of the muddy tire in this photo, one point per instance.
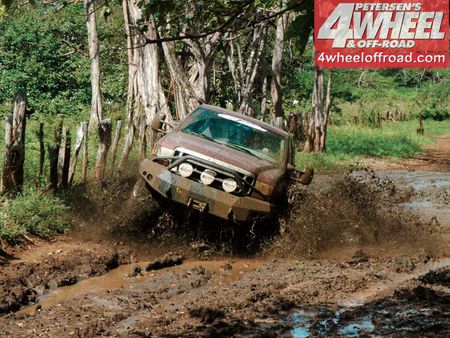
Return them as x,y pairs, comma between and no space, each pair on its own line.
140,190
142,196
307,176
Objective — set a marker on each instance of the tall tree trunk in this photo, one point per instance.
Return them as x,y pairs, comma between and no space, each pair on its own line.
321,106
277,58
133,97
91,24
186,97
146,57
252,67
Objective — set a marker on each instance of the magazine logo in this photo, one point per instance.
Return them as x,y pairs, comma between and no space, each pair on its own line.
402,34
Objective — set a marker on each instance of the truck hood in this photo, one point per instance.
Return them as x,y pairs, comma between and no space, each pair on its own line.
265,170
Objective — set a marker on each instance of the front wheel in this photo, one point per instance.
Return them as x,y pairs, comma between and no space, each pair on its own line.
142,195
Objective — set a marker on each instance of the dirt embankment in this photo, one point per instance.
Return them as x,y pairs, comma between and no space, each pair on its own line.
351,258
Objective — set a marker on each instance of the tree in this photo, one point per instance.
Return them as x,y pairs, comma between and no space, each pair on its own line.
275,86
321,106
91,24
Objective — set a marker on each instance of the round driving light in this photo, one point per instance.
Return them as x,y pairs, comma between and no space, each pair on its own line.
185,169
207,177
229,185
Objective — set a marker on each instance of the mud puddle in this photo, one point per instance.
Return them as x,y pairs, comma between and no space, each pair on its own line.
46,268
130,275
416,305
429,193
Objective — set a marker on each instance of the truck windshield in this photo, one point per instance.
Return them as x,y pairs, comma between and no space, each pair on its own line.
235,133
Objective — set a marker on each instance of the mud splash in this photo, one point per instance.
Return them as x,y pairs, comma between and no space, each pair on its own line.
358,209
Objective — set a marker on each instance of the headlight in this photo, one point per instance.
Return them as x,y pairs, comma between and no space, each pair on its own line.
164,152
229,185
185,169
207,177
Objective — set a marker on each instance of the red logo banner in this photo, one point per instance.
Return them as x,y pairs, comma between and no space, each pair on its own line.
381,33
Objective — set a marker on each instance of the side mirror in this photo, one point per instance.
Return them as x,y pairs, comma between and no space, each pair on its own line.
158,122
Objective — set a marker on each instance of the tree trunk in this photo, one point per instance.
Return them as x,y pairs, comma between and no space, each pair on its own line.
251,70
187,99
133,96
13,173
321,106
277,57
104,133
96,100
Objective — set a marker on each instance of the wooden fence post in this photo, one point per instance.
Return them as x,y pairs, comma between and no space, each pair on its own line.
53,152
63,158
73,161
104,133
84,170
13,175
115,146
40,135
66,162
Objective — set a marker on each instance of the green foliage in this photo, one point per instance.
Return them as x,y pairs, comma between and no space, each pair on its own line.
33,213
43,56
45,51
348,145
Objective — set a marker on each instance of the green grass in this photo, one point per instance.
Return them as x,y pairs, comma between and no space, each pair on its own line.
349,145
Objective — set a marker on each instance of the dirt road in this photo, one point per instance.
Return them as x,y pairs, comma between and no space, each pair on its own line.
364,253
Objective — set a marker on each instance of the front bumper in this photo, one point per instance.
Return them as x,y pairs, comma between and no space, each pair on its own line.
200,196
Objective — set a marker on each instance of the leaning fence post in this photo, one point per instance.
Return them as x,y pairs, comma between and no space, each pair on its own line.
84,169
13,175
62,158
115,145
6,175
104,133
73,161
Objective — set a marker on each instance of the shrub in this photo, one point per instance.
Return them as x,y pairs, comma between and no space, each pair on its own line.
32,213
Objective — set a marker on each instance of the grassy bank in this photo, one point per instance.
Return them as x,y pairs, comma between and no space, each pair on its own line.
349,145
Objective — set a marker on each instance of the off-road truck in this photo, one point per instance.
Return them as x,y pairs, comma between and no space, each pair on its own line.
222,163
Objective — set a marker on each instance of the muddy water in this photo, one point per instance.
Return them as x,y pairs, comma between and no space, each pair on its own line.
121,277
430,192
400,314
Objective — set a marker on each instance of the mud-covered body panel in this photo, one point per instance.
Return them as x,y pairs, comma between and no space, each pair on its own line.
200,196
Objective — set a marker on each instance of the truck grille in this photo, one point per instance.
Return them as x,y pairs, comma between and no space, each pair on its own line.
200,166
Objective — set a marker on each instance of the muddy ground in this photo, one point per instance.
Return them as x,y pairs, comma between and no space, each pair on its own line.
354,254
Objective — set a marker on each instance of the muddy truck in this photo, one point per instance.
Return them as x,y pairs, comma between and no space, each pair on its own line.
221,163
